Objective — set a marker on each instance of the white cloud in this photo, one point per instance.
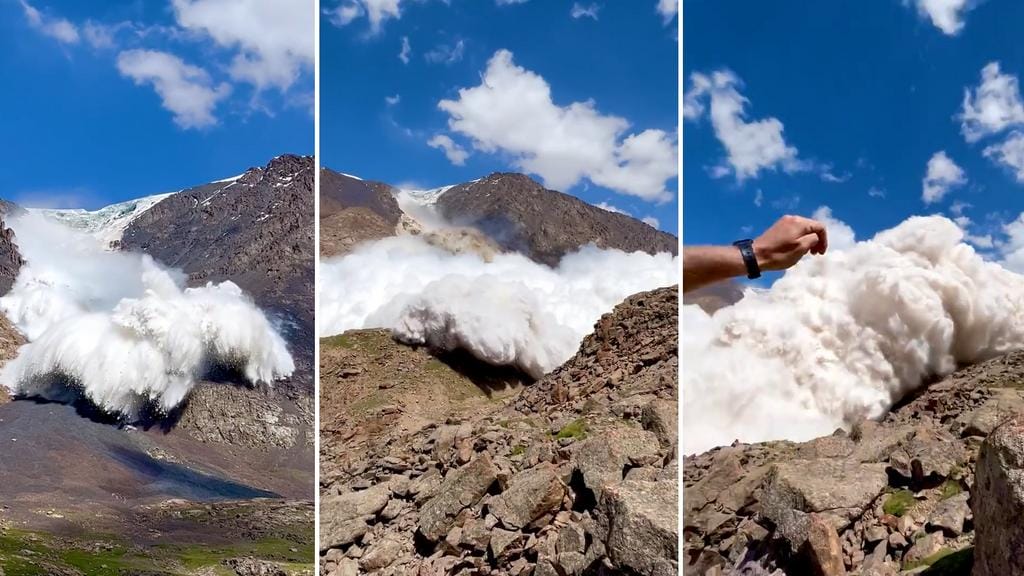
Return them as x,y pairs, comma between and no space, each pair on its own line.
185,90
456,154
840,234
1013,249
668,9
993,106
57,28
759,198
511,111
445,54
376,11
273,38
946,15
876,192
942,175
651,221
751,147
957,208
509,2
610,208
1009,153
406,50
579,10
393,100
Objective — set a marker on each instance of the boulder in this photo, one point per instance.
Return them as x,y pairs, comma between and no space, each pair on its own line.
531,494
460,489
343,517
998,502
643,533
838,490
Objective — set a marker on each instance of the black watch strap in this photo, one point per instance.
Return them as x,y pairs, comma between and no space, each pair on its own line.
747,250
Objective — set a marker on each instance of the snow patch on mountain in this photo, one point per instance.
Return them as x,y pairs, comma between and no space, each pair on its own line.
106,224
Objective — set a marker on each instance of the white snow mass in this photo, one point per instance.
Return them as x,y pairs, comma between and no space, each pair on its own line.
505,310
845,336
120,329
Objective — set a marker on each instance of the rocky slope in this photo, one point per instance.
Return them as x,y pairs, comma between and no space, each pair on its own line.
574,474
935,488
354,211
512,211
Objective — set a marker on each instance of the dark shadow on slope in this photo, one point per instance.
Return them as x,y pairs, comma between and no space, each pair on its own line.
489,378
180,481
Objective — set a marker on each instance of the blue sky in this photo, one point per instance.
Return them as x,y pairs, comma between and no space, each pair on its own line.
85,124
877,110
582,96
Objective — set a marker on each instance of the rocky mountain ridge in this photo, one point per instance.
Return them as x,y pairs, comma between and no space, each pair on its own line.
511,210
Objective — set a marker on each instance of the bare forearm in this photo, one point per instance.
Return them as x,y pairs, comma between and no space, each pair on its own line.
703,265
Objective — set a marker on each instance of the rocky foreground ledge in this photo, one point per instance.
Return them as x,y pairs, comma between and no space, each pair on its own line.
576,474
935,488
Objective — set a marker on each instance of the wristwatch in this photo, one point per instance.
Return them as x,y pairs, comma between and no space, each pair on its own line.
747,250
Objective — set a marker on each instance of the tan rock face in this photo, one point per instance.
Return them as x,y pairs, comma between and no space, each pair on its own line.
999,502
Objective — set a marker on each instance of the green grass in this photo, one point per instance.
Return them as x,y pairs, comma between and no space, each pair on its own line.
518,450
957,563
25,553
363,341
899,502
945,562
577,430
949,489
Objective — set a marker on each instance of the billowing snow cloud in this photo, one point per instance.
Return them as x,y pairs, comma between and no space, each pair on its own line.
120,330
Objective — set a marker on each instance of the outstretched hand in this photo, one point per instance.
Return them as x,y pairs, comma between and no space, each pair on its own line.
786,242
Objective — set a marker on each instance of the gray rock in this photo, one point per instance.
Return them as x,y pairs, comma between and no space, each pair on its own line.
460,489
254,567
343,517
823,549
662,418
643,533
382,554
998,502
840,490
950,514
502,540
531,494
924,547
602,458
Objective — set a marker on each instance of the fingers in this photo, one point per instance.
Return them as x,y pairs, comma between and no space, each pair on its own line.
808,243
809,226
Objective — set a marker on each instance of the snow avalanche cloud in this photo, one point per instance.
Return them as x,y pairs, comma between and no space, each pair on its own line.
120,329
845,336
505,309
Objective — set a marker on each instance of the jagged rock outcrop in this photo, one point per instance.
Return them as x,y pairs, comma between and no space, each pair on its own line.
579,481
523,216
910,493
233,414
10,258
